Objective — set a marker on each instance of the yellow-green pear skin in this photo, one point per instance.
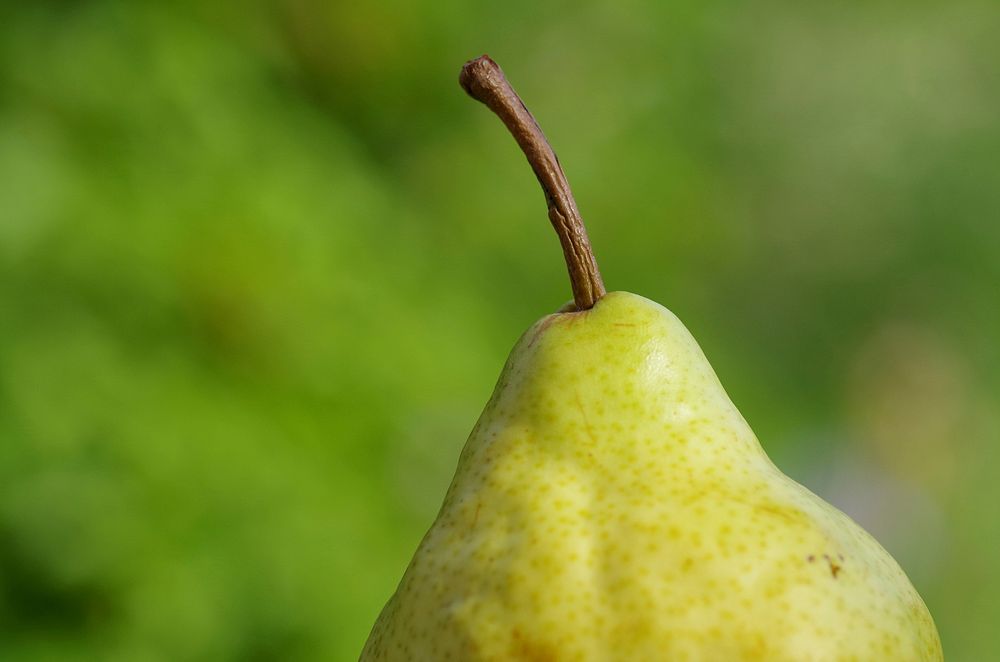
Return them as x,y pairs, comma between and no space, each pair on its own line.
612,504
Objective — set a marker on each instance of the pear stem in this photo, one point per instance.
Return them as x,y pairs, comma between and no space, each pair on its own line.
484,81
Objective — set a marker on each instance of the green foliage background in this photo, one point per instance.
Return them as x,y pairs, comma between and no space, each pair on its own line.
261,263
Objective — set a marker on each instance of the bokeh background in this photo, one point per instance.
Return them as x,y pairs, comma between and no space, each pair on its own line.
261,263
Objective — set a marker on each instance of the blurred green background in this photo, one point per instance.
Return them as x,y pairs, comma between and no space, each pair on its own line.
261,263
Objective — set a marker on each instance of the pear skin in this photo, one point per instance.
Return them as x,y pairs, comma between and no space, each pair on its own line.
612,504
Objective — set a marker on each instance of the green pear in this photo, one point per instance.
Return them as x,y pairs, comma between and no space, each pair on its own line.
612,504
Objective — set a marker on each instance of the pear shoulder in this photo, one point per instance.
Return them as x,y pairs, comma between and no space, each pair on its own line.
612,504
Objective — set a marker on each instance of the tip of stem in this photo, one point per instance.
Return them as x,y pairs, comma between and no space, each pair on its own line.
478,75
474,68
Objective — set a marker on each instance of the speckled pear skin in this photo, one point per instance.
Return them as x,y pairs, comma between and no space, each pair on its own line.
612,504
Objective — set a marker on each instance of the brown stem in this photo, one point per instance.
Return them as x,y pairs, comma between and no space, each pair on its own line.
483,79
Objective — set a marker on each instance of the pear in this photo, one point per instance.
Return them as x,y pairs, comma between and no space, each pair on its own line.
612,504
